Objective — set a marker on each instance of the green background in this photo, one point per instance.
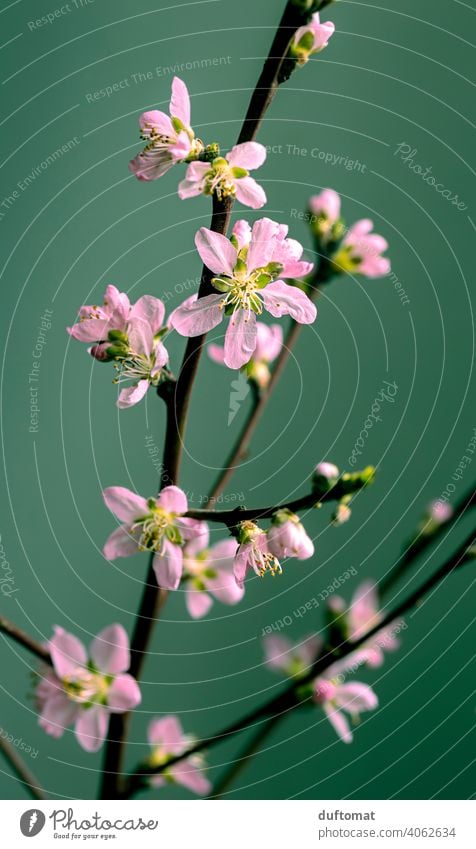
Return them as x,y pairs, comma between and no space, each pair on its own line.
387,77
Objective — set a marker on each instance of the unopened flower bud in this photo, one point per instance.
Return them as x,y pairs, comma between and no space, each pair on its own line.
341,514
324,478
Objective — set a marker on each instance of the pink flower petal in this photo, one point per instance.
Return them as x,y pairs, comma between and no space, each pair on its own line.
216,251
121,543
225,588
216,353
180,101
278,651
191,777
126,505
281,299
141,338
156,121
167,733
339,723
198,603
173,499
67,653
89,330
151,164
263,243
242,230
198,539
150,310
57,714
91,727
240,338
131,395
124,694
356,697
110,650
327,202
250,193
269,341
168,566
248,155
193,318
363,608
182,147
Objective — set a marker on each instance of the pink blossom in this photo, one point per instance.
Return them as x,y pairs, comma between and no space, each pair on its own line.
362,615
325,215
168,740
440,512
228,176
361,251
247,283
208,573
169,139
253,553
269,341
288,538
129,334
311,38
337,699
293,659
154,524
83,690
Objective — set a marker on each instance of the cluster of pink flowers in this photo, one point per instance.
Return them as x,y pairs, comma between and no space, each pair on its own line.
181,550
356,250
129,334
83,689
331,691
171,140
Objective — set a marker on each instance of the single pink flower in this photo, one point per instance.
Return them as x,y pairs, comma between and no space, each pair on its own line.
288,538
269,341
169,139
440,512
208,573
247,283
361,251
293,659
227,176
83,690
362,615
130,335
311,38
154,524
167,740
338,699
253,553
326,203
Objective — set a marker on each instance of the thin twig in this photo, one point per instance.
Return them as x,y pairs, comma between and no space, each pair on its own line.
178,404
289,698
27,778
24,639
241,761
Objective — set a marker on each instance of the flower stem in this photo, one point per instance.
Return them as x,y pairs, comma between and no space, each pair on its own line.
241,761
288,698
24,639
179,401
27,778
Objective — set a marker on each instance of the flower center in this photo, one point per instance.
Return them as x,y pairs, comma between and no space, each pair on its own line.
155,528
86,687
264,561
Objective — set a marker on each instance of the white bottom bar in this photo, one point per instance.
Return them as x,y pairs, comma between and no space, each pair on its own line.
213,825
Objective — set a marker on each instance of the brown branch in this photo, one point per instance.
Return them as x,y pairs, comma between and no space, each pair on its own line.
289,698
179,402
24,639
23,773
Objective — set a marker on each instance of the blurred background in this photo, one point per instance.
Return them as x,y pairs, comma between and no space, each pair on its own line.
388,78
